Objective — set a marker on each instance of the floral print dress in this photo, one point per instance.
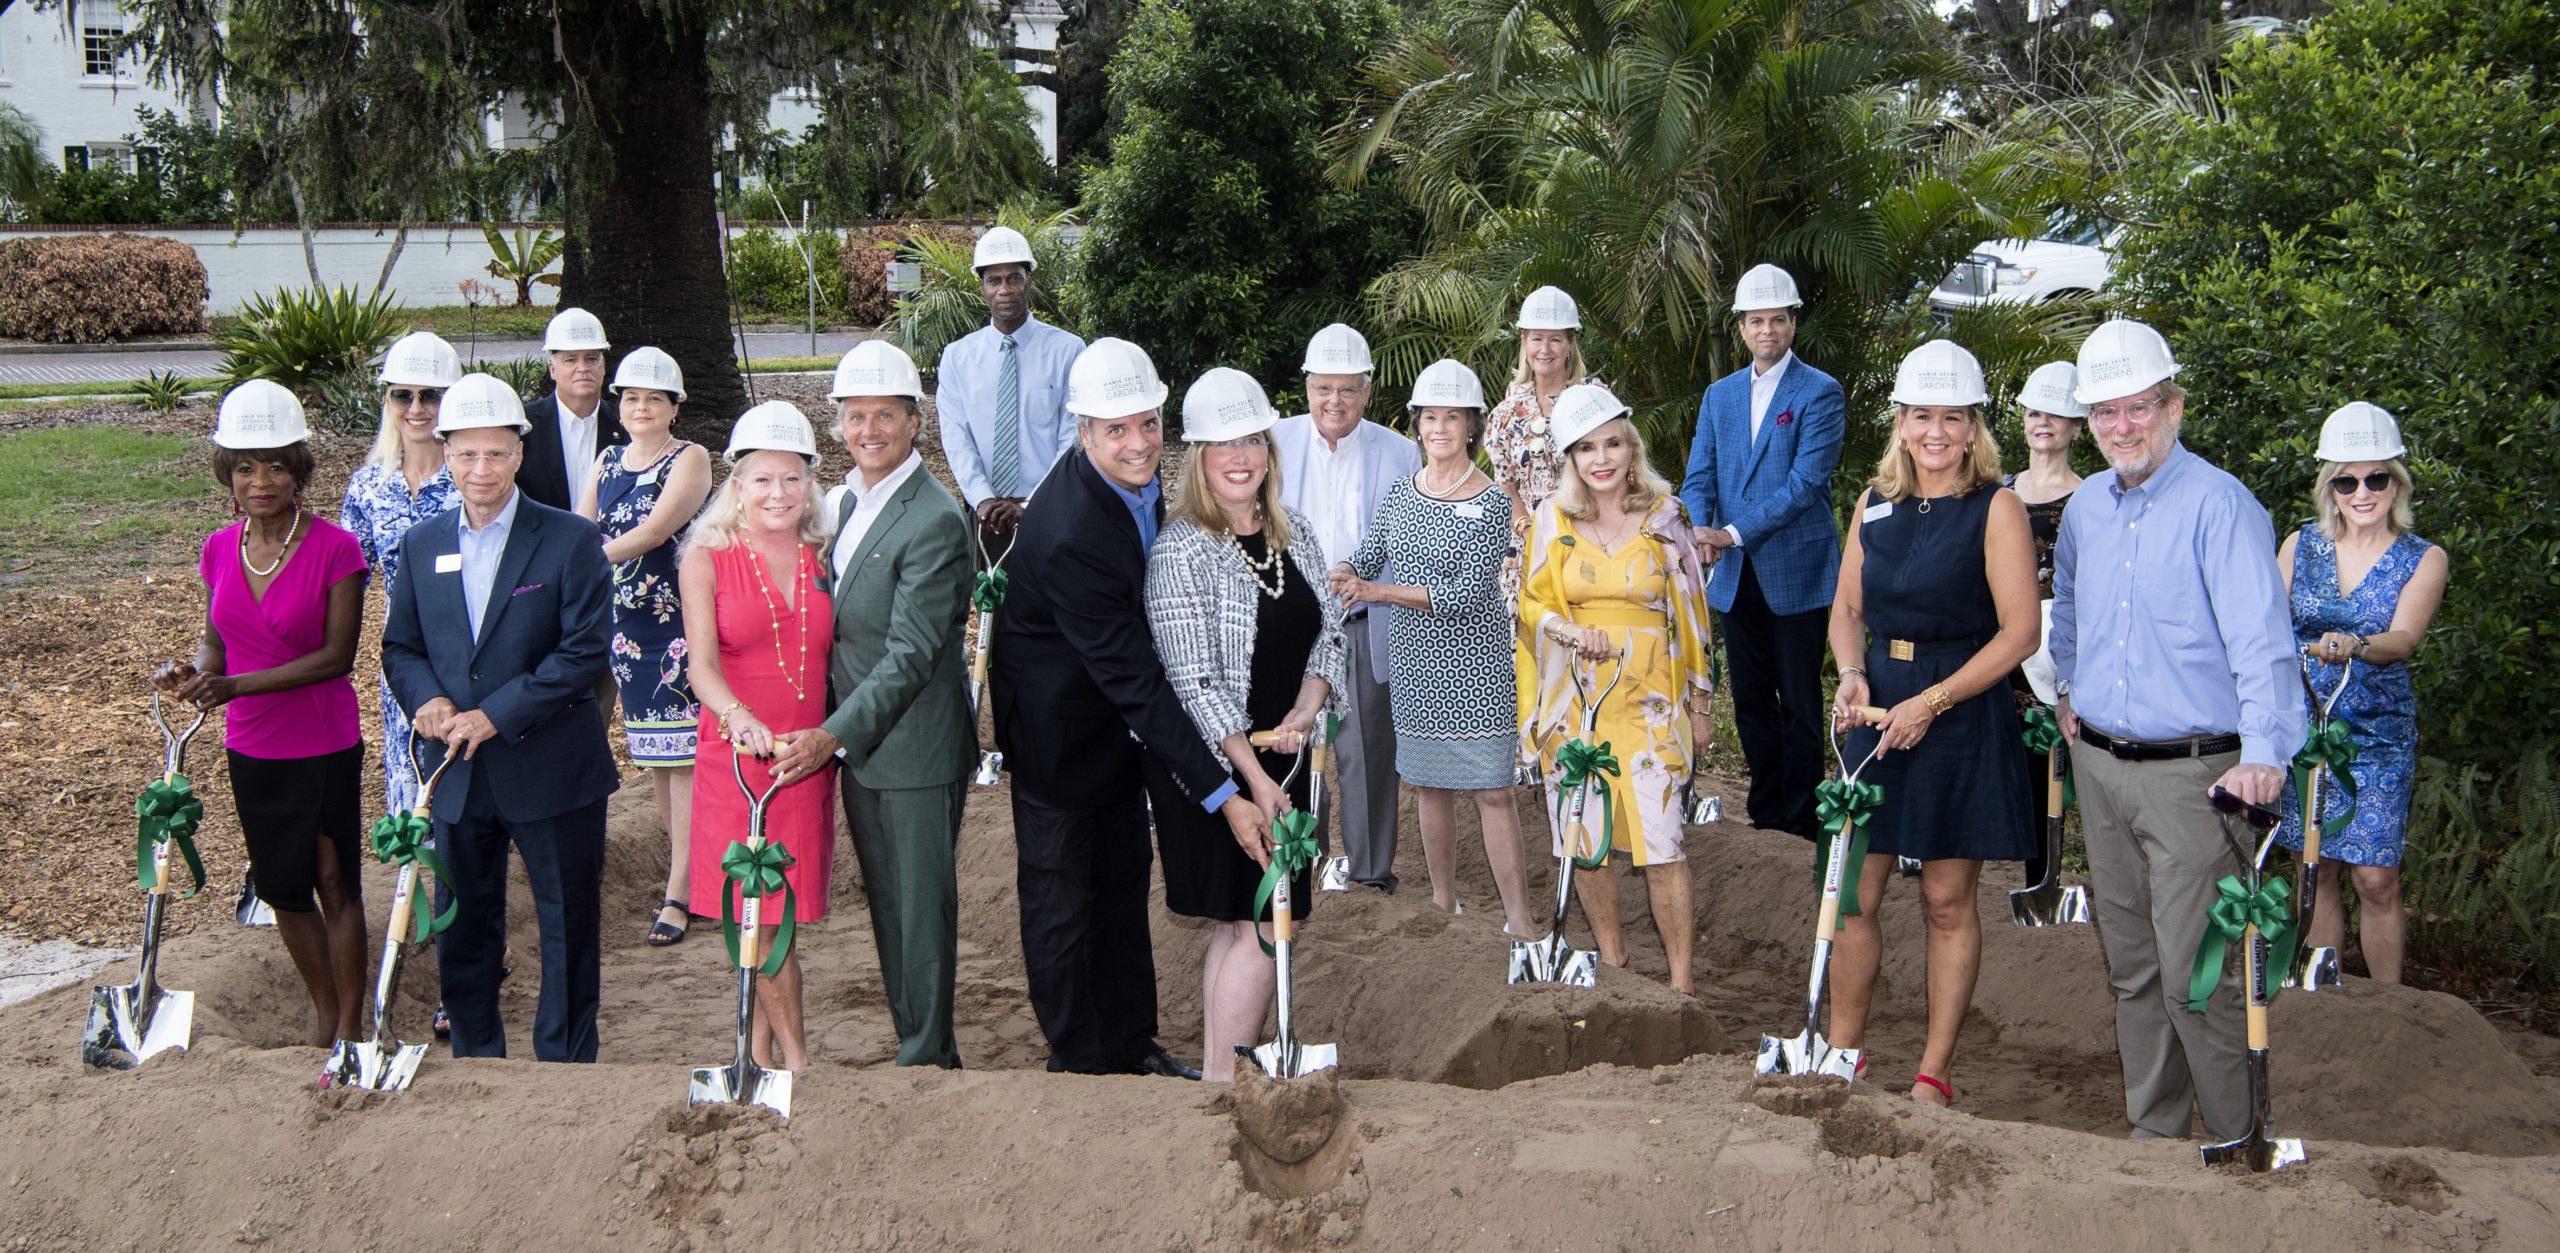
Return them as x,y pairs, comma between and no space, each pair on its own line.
660,716
378,510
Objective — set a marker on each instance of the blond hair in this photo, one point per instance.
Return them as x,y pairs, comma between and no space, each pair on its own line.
1522,376
717,525
1195,504
2335,523
1645,485
386,436
1898,477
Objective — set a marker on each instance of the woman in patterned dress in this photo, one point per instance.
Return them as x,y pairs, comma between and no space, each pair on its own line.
1456,704
641,495
402,483
1525,459
1611,568
2363,588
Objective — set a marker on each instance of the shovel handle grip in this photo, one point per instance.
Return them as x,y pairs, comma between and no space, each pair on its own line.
978,662
1873,715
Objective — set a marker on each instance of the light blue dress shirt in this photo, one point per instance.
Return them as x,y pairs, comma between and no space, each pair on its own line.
2169,615
964,403
481,551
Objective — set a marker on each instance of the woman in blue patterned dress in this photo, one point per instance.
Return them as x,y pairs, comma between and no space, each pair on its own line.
402,483
2364,587
642,495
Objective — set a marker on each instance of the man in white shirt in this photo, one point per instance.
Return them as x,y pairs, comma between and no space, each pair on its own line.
1335,466
1000,392
577,420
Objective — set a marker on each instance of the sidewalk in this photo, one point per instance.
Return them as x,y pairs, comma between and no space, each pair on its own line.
132,364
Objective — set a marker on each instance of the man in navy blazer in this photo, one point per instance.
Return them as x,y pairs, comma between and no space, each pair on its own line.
1759,495
574,422
499,628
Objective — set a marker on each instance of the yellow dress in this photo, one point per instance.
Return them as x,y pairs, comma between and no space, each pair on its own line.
1649,597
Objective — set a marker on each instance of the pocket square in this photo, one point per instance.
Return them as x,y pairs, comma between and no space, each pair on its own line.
1788,418
529,587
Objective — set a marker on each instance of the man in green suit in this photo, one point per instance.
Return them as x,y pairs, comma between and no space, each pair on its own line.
899,568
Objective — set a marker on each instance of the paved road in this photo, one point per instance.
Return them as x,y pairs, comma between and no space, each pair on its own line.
113,367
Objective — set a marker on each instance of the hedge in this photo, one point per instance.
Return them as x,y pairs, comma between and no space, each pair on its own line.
87,289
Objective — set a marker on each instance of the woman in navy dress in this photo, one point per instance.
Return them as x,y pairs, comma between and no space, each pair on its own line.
1937,606
2364,588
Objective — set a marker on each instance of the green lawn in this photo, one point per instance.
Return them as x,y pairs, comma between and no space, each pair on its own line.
24,391
96,497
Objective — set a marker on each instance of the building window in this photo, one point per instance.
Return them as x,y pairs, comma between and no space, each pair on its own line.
101,30
115,157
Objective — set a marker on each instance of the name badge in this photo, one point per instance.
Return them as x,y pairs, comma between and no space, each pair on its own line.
650,479
449,563
1884,510
1468,510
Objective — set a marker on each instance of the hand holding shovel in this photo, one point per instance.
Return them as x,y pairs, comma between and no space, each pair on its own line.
1583,761
2257,911
1293,848
2327,754
2046,902
382,1063
756,869
130,1024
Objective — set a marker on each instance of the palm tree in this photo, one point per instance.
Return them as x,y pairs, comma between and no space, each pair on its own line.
21,162
1641,154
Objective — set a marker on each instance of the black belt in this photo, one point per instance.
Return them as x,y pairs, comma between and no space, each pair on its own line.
2158,750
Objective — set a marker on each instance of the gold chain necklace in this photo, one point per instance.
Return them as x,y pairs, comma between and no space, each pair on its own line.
773,614
290,530
1277,583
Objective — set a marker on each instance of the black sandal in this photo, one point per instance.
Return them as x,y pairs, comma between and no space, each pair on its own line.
661,932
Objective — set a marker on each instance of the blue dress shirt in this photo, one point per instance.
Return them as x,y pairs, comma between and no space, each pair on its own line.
481,551
964,403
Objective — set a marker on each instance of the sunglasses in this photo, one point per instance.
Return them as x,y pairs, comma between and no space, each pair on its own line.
423,395
2377,482
2259,816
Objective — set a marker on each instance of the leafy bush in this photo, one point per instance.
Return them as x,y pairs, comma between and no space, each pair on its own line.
864,261
529,376
88,289
523,260
2481,878
162,391
768,277
303,339
2367,217
946,303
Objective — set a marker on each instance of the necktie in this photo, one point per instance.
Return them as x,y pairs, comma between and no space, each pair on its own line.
1004,461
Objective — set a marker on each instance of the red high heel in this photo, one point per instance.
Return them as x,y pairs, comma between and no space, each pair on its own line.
1944,1088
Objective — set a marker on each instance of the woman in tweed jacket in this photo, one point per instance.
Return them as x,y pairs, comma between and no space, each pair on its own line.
1249,643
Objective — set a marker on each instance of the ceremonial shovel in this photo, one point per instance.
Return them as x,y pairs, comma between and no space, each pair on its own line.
251,911
128,1025
382,1063
1335,874
1284,1057
2261,1150
2318,967
985,595
2046,902
742,1082
1551,960
1806,1052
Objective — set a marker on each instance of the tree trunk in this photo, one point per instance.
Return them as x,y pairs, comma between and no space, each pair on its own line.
643,253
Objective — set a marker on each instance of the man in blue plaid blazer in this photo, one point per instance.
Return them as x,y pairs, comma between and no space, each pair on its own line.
1759,494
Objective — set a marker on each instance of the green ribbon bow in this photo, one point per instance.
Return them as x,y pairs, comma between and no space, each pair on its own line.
1293,849
1580,761
401,838
2044,736
2330,749
1845,805
756,872
2234,909
988,591
169,811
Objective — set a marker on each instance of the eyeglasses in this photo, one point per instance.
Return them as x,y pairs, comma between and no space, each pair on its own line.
2139,411
2377,482
428,396
2259,816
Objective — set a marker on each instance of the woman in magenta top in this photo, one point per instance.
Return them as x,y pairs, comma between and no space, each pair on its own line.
286,593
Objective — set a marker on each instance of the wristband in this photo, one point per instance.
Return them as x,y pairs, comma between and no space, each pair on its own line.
1937,699
1846,671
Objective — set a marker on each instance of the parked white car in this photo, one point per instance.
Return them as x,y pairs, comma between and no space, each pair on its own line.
2030,271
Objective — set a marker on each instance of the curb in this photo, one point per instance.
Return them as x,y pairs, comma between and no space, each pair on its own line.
140,345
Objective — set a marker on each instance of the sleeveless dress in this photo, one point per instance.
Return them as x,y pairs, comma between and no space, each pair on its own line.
2380,710
1958,793
659,711
378,510
801,817
2044,527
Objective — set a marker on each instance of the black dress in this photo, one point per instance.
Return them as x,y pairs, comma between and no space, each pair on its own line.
1960,792
1206,875
2044,526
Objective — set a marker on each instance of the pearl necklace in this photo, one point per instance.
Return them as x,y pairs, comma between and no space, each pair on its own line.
1423,481
1277,584
290,530
773,614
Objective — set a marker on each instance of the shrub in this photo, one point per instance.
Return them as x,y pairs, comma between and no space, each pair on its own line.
864,262
768,276
88,289
304,339
2482,874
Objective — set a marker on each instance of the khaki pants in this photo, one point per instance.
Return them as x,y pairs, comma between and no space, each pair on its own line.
2156,848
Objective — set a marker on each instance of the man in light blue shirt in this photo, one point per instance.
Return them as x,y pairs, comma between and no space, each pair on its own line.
2174,656
1000,392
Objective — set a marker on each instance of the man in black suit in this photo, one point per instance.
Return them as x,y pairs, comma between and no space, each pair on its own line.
577,420
500,624
1087,722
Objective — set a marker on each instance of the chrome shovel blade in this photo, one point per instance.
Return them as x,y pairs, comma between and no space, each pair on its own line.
123,1033
251,911
1909,866
1527,775
1704,810
1290,1061
990,769
376,1067
1840,1064
2049,905
1336,876
1551,960
2317,968
1792,1055
2257,1152
726,1085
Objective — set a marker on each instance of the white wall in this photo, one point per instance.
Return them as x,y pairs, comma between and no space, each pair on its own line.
40,73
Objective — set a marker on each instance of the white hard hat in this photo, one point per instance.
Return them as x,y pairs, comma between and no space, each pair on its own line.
1003,245
2121,358
1765,286
476,401
1112,378
1549,309
2048,390
652,369
2359,431
1939,372
1448,383
2043,677
574,330
259,414
1582,409
1338,349
1225,404
421,359
877,367
774,426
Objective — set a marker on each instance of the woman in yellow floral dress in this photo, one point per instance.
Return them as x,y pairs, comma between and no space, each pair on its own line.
1610,567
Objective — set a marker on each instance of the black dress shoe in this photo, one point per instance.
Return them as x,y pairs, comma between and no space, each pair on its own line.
1163,1063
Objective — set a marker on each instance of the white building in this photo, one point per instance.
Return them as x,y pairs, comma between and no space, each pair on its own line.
65,77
